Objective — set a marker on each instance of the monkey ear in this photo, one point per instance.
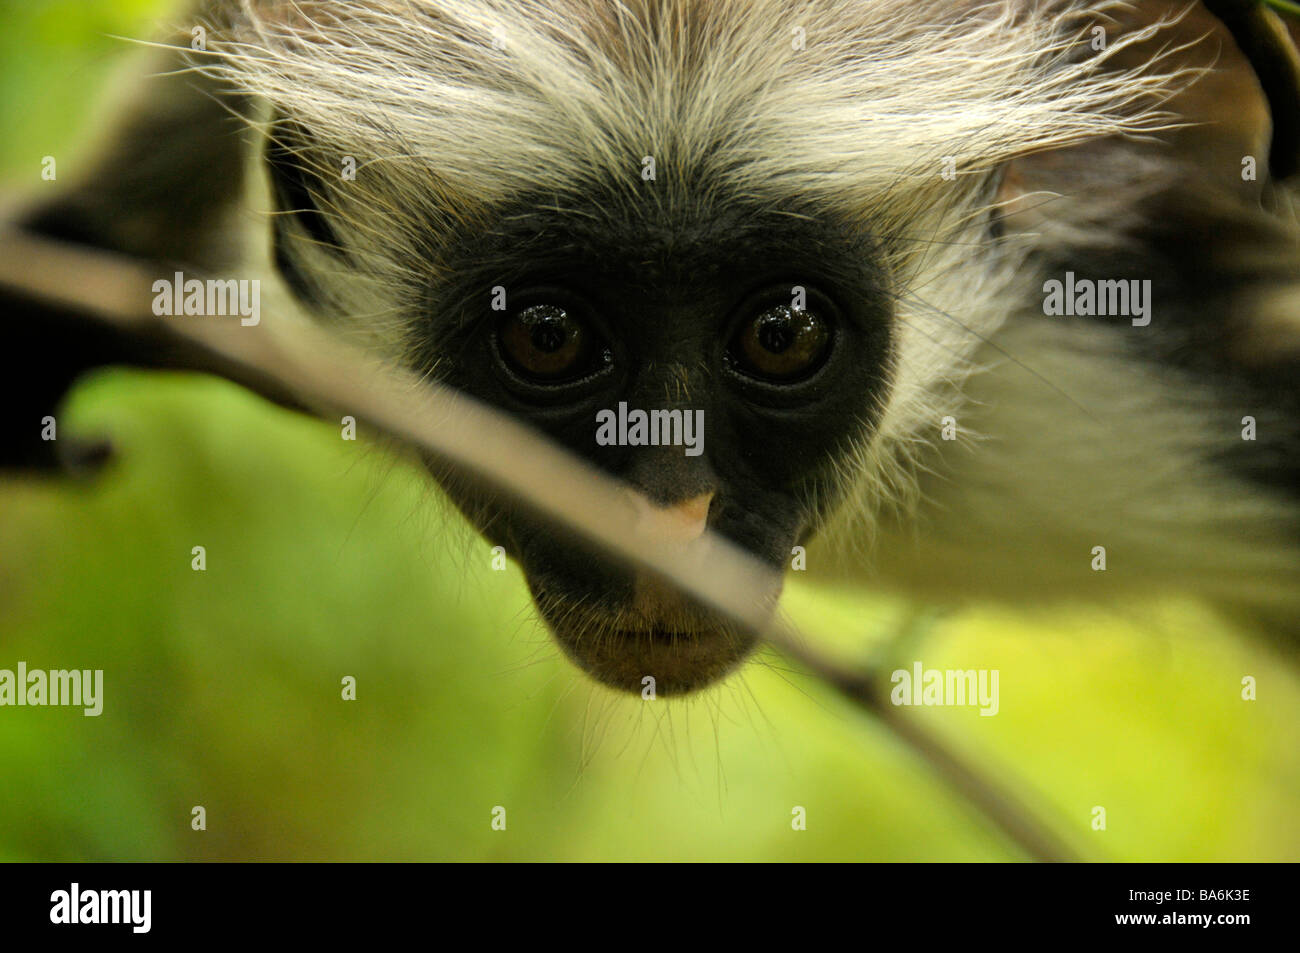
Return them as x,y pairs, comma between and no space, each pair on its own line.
299,194
297,185
1272,45
1196,206
1238,121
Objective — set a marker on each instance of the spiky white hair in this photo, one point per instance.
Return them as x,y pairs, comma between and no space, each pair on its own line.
452,107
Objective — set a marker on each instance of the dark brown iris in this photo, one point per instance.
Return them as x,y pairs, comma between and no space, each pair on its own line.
782,344
544,342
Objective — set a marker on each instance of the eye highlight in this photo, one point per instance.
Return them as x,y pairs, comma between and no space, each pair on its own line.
547,344
782,344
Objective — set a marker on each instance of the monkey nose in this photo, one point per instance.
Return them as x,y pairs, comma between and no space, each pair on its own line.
676,523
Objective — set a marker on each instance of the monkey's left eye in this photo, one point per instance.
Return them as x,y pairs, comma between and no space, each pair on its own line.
546,344
782,344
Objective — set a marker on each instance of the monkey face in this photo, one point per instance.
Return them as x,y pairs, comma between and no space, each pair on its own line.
725,358
721,368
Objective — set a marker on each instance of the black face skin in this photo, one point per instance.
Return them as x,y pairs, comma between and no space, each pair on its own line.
661,316
609,300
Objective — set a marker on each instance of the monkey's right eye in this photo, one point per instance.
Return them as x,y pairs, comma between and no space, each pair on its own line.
546,344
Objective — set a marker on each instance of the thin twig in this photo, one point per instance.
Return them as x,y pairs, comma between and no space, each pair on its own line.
304,367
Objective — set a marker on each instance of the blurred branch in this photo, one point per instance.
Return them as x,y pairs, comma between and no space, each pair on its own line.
68,309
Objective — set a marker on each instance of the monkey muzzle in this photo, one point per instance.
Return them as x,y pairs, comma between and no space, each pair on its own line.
653,640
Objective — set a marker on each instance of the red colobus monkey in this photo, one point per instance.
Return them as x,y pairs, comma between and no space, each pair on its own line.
975,299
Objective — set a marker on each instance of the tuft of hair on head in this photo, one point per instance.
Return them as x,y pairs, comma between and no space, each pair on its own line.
452,106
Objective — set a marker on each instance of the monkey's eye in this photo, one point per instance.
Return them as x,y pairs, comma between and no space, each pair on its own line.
781,345
546,344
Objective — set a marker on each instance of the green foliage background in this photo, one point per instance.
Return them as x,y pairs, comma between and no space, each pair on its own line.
328,559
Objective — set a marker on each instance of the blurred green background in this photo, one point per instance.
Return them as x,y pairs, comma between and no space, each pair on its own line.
328,559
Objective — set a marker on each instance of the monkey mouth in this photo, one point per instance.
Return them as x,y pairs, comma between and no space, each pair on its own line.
649,657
